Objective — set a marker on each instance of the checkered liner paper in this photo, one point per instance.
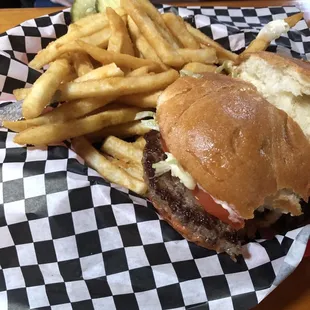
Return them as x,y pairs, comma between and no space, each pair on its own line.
71,240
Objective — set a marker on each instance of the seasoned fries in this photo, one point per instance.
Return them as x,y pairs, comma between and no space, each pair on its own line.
107,169
81,63
53,133
177,26
44,88
135,128
118,86
119,40
106,69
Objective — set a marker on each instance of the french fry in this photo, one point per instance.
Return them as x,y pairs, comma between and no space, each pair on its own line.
294,19
163,48
157,18
198,67
121,149
143,100
260,43
67,111
81,63
99,38
44,88
103,72
139,72
119,40
135,128
205,55
222,53
104,167
140,143
118,86
107,71
121,60
134,169
51,133
178,28
98,22
143,46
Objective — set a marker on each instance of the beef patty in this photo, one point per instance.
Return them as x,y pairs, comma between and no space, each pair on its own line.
177,205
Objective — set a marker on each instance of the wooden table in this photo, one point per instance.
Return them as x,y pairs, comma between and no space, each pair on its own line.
294,292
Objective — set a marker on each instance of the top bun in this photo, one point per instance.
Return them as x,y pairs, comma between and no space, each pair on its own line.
241,149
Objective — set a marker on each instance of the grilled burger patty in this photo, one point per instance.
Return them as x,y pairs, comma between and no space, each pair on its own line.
177,205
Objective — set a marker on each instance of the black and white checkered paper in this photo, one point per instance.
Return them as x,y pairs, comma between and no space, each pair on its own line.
71,240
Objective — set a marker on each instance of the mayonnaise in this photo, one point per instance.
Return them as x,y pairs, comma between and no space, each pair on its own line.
273,30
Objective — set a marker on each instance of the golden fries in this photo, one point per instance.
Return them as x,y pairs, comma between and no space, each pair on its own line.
143,100
294,19
81,63
140,143
117,86
135,128
222,53
139,72
57,132
99,38
121,60
142,44
119,40
44,88
178,28
121,149
198,67
107,169
67,111
205,55
163,48
111,70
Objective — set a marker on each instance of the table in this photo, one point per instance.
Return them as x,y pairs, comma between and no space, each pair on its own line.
294,292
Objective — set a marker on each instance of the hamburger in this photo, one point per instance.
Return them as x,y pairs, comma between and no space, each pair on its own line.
225,153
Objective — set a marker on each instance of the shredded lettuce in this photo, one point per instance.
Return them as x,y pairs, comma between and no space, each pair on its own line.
144,114
172,165
150,123
190,73
227,66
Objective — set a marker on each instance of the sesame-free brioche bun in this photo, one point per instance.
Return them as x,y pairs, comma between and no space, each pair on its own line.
237,146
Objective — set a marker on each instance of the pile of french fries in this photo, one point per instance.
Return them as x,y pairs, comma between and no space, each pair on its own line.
107,69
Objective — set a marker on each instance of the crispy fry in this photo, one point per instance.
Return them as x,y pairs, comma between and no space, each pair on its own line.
178,28
134,169
83,29
121,60
117,86
21,93
121,149
125,130
103,72
222,53
140,143
119,40
198,67
294,19
157,18
143,46
260,43
205,55
51,133
104,167
99,38
139,72
163,48
44,88
81,63
67,111
143,100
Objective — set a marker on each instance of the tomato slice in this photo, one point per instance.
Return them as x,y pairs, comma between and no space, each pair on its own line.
209,204
214,208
